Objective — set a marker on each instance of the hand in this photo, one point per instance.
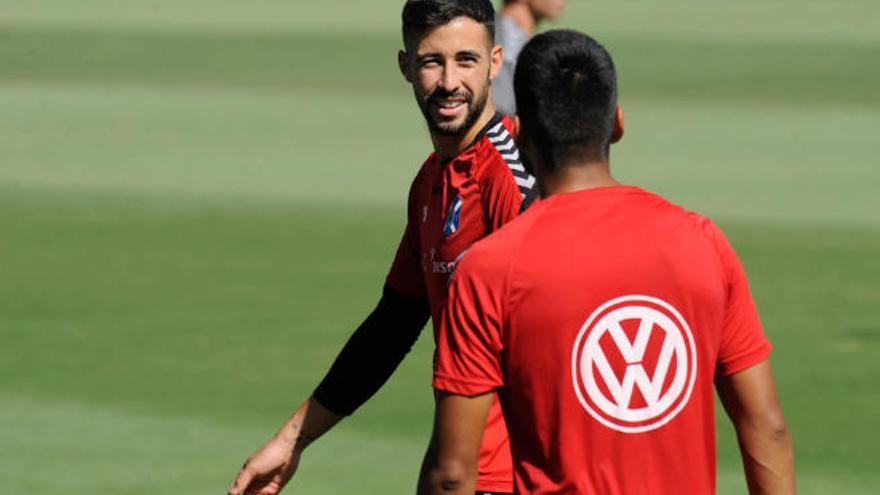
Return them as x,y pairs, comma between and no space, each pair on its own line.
268,469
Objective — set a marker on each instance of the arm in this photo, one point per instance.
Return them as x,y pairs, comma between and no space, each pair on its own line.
373,352
467,371
366,362
750,400
450,465
745,384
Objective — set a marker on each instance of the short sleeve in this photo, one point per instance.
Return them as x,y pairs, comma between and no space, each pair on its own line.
743,343
405,276
469,344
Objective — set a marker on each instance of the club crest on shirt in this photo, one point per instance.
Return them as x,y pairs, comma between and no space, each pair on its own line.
453,217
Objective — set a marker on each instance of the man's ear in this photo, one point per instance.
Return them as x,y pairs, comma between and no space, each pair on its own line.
617,132
403,65
496,60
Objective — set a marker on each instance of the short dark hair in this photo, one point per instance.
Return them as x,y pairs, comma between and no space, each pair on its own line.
420,16
566,95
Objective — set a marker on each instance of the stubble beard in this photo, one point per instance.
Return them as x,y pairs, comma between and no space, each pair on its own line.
475,110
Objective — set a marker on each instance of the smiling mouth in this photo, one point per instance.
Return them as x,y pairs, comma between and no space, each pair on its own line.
450,103
448,107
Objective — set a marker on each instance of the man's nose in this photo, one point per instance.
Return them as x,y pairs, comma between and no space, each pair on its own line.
451,79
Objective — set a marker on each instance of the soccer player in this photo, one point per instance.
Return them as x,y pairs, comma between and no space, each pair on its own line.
472,184
515,24
602,316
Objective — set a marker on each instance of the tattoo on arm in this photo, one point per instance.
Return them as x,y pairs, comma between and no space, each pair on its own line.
301,440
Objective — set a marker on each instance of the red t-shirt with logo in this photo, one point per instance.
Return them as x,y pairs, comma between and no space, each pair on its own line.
602,317
452,205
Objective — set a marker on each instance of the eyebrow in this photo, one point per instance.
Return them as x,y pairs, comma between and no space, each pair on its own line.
470,53
463,53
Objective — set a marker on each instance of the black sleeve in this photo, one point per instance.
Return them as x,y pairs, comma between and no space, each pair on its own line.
372,353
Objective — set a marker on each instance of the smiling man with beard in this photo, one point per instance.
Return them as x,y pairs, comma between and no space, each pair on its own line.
471,184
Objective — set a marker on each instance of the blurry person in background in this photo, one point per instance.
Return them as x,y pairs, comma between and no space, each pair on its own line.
515,24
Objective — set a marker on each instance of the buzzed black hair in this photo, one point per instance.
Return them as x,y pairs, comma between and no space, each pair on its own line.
566,95
420,16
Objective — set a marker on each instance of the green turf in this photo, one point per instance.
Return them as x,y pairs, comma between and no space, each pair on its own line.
198,203
770,72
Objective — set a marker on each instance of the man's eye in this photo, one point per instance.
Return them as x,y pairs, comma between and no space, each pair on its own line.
430,63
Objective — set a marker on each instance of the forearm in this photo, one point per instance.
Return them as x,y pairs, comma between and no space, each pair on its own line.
768,458
372,353
308,423
752,403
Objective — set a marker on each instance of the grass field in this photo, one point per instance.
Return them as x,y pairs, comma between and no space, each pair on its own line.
198,203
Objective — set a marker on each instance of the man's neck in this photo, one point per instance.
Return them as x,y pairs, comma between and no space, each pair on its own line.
448,147
572,177
521,14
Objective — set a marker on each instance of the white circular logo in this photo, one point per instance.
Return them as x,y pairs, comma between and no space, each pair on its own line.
634,363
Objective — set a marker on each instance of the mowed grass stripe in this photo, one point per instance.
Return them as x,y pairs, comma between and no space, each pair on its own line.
695,19
736,161
232,145
78,448
820,73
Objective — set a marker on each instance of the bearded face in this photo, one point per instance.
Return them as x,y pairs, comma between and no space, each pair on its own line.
450,70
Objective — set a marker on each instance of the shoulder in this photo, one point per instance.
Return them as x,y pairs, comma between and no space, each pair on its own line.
702,225
499,159
422,175
713,233
688,218
493,254
703,228
496,155
425,168
699,231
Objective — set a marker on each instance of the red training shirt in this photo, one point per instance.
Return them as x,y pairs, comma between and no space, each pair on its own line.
451,206
602,316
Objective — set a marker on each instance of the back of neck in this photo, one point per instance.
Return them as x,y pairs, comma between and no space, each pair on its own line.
576,177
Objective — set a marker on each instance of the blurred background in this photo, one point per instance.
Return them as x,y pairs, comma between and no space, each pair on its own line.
199,202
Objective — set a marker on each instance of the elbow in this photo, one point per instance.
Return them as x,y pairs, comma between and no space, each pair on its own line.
776,428
781,434
769,429
451,476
